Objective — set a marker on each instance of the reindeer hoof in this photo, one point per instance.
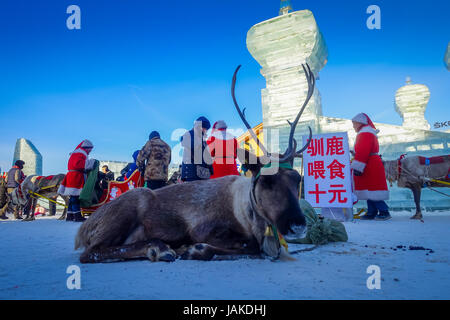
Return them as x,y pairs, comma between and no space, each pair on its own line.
417,216
154,254
168,257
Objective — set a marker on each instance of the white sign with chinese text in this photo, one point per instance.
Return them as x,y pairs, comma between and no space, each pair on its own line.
326,165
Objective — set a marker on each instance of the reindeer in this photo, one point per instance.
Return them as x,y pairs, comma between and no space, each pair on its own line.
201,219
414,173
24,195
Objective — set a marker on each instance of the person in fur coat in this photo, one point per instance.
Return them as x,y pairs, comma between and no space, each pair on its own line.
368,170
79,164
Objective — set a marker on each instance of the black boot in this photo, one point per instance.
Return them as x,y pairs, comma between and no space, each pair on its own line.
69,216
368,216
383,216
78,217
4,217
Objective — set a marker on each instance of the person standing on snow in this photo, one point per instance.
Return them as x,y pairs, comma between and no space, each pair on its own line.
223,148
368,169
79,164
154,159
13,179
197,162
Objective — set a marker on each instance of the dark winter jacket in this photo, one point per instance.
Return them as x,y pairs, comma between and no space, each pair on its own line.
14,177
155,157
195,154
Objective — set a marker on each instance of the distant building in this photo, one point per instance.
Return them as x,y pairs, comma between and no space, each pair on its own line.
114,166
26,151
447,57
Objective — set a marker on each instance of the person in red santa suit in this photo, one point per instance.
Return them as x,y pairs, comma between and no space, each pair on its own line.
223,148
368,169
79,164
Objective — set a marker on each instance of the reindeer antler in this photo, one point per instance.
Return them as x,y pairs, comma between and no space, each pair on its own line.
242,115
290,152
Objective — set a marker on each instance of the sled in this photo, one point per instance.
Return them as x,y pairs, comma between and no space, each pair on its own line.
114,190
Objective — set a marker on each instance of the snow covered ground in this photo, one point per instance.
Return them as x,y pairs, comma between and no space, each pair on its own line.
35,256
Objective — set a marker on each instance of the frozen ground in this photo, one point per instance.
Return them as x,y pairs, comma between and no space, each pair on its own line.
35,256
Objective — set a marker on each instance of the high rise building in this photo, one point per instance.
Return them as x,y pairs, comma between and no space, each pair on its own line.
447,57
26,151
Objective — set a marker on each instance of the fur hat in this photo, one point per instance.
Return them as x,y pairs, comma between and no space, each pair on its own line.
19,163
205,122
154,134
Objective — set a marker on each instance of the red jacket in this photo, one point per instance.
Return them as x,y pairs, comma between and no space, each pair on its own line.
223,149
371,185
78,164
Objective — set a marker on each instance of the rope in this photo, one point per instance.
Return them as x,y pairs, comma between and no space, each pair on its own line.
36,194
438,192
48,187
439,181
304,250
426,178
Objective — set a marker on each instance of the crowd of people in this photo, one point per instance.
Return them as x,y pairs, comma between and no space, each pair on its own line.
207,158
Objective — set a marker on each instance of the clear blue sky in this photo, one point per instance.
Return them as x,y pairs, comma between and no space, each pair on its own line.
137,66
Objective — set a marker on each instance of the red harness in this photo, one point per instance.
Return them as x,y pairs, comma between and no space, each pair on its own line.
432,160
46,178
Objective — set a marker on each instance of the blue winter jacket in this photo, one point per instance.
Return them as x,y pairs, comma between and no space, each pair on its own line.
131,167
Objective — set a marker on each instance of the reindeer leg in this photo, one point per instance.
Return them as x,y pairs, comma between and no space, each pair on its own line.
416,189
66,201
204,251
28,210
52,207
154,250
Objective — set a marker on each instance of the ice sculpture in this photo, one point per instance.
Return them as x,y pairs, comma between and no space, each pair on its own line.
410,102
285,7
281,45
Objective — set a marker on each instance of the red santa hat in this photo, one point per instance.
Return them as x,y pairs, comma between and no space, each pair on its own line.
364,119
220,125
85,145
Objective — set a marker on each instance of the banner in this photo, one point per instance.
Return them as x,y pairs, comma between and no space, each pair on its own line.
327,176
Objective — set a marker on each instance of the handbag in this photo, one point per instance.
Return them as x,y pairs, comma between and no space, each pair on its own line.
203,172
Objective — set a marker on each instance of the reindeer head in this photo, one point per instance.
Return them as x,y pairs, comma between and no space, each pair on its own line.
274,192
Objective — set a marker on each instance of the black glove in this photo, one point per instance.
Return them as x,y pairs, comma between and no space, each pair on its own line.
357,173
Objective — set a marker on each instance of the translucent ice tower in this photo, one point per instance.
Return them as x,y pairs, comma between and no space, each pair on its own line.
410,102
281,45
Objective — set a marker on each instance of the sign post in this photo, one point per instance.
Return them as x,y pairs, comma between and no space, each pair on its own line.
327,175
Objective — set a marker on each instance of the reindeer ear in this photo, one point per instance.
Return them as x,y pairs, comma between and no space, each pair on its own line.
249,161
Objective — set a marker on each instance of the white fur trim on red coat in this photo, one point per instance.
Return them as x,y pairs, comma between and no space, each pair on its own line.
358,165
67,191
222,135
369,129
